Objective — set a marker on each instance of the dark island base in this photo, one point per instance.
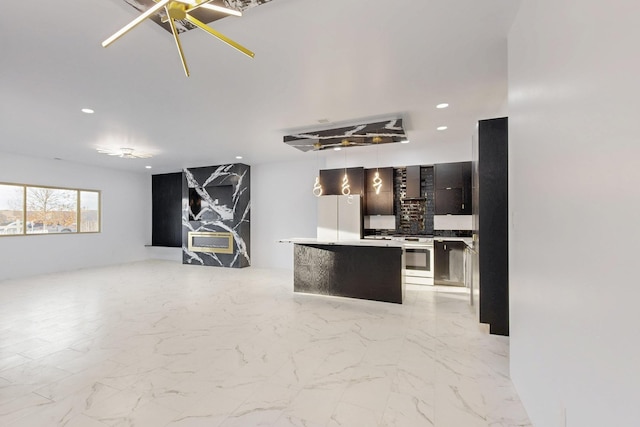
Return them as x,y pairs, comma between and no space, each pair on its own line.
365,272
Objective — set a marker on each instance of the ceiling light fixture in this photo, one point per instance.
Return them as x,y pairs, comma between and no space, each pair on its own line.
87,111
406,141
442,128
239,157
443,105
147,167
180,10
125,153
337,149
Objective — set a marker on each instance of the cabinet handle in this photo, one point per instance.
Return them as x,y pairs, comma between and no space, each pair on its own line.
463,206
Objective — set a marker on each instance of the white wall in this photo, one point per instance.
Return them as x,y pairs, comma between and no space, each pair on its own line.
282,206
574,92
125,219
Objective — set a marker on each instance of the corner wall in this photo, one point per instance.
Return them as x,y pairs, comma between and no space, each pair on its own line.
574,203
125,213
282,206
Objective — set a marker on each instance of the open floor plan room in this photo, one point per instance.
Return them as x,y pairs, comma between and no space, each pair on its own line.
158,343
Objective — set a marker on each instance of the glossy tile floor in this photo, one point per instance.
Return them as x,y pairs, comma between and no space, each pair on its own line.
158,343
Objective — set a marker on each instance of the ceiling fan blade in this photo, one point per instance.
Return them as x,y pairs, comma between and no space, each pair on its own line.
178,44
131,25
196,4
220,36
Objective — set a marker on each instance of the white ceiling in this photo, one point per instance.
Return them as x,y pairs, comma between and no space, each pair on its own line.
342,60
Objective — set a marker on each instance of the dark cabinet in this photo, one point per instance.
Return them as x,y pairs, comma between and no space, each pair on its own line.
491,183
381,203
331,181
453,188
166,210
448,175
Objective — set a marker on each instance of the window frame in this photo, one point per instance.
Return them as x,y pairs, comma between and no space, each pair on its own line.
78,209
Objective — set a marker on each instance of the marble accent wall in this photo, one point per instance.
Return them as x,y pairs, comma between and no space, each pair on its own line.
217,199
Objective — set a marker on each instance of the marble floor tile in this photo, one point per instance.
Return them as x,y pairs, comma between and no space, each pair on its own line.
161,344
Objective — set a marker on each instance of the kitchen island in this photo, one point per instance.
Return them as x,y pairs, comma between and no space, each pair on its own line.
364,269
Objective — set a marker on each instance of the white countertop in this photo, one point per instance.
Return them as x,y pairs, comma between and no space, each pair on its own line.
467,240
378,242
361,242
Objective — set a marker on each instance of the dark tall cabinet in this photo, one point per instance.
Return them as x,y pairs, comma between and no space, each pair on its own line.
166,213
491,223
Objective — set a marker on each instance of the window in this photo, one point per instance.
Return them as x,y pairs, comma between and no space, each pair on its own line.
11,209
26,210
89,211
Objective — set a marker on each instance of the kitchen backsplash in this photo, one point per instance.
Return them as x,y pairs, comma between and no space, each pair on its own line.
412,216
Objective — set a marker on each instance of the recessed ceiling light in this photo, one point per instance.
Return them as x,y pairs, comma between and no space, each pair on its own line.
404,142
147,167
443,105
442,128
87,111
337,149
239,157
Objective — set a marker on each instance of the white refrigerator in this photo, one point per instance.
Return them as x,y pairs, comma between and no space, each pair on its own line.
339,218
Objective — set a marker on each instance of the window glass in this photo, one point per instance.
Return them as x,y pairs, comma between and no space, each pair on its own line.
11,209
51,210
89,211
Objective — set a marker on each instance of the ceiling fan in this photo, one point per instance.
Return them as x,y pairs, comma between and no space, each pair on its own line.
180,10
125,153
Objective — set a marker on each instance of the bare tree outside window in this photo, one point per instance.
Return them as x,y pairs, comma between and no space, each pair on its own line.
11,209
28,209
51,210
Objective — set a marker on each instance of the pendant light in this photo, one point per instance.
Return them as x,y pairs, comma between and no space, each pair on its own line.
346,188
317,187
377,181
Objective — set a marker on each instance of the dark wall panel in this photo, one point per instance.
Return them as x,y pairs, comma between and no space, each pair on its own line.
493,220
166,215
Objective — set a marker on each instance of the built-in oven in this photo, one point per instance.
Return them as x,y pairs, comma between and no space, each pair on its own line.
418,263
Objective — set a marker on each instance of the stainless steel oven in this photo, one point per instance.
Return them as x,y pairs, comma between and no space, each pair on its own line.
418,263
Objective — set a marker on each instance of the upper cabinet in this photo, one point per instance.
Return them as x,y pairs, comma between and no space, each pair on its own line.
453,188
380,203
332,179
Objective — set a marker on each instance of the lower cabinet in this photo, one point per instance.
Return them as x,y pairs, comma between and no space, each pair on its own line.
449,263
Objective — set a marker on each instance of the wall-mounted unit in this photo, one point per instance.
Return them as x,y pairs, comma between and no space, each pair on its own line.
453,188
379,201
